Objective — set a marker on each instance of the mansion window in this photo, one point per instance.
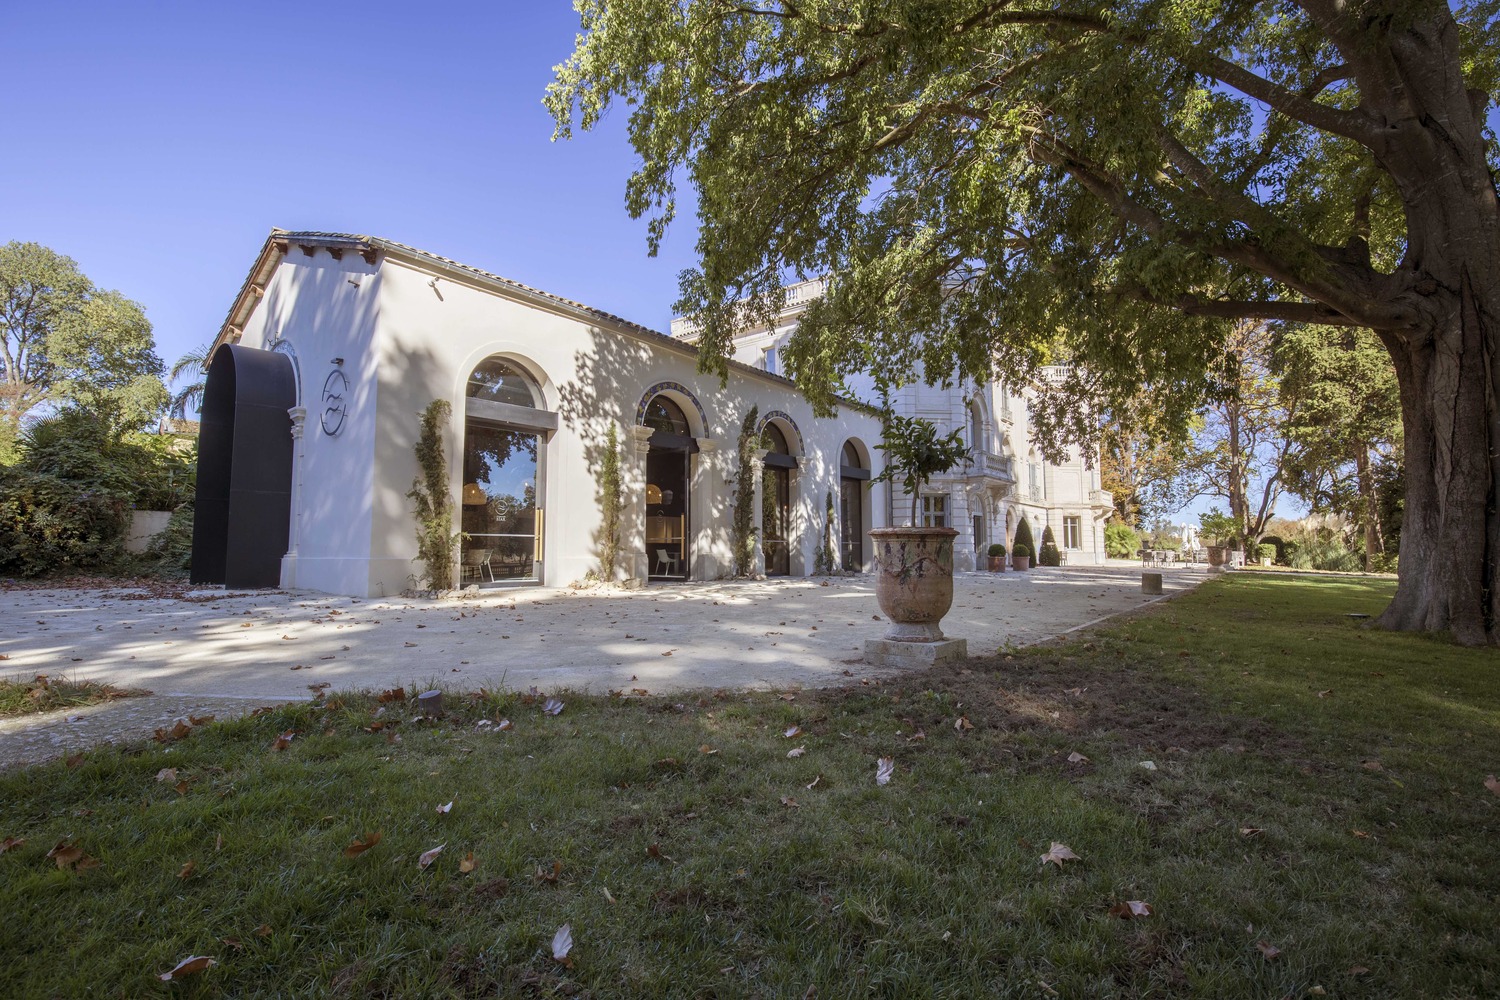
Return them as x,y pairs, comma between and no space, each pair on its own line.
934,511
1072,532
768,360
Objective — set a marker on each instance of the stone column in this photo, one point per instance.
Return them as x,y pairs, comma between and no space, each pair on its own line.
289,560
704,565
633,516
959,517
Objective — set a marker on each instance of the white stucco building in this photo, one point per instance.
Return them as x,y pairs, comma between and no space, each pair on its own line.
336,344
1007,479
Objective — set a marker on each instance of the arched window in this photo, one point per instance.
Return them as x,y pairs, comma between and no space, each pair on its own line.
976,428
664,415
851,456
499,381
776,441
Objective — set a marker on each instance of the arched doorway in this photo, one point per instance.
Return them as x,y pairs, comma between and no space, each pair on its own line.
776,502
505,430
668,489
854,474
243,508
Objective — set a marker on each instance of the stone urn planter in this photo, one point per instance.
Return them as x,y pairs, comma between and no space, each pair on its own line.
1020,562
914,580
997,564
1218,555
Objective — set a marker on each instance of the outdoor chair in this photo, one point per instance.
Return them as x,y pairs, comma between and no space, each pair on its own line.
666,562
476,563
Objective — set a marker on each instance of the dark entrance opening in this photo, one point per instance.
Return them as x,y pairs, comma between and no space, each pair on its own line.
776,503
243,509
668,474
852,479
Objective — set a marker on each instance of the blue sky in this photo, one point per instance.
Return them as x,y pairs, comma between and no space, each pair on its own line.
158,144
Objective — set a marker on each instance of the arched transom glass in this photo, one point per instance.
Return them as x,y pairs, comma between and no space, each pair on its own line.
664,415
851,456
776,441
499,381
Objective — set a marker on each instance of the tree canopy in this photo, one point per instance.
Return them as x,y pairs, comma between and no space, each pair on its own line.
66,341
994,183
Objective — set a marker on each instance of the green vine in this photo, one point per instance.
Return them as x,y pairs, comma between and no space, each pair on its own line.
742,527
432,504
610,506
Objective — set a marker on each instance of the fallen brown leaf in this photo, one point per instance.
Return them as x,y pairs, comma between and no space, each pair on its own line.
789,802
200,720
1493,784
284,740
11,843
361,844
1251,831
1077,758
885,768
428,857
467,864
1268,949
793,731
234,943
795,752
264,930
1058,853
73,761
394,694
1130,909
188,870
562,944
188,966
167,774
962,724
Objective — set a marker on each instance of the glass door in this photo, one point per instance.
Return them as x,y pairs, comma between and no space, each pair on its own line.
501,518
851,523
776,489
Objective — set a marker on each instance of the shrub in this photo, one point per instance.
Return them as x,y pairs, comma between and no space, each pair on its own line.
742,524
170,551
1023,538
996,549
610,506
48,523
431,502
1120,540
1326,554
1021,549
1050,556
1278,546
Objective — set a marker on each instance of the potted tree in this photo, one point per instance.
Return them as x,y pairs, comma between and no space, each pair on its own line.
997,558
1024,547
914,564
1221,527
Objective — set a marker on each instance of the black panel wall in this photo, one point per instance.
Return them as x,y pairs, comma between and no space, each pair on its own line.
242,515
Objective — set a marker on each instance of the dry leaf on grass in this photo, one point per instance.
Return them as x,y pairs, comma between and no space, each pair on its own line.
1077,758
789,802
706,749
550,876
445,809
200,720
1058,853
796,751
188,870
1251,831
11,843
1268,949
503,725
884,769
467,864
428,857
188,966
962,724
71,857
1130,909
552,706
793,731
809,786
1493,784
562,944
1371,765
361,844
168,774
264,930
73,761
608,896
284,740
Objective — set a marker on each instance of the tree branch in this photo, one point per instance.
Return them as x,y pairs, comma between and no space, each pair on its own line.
1352,125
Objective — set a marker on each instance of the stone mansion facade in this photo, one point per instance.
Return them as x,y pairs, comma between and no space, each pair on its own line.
1007,480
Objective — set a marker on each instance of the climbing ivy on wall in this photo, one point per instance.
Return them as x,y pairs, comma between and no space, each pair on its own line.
431,502
826,560
610,505
742,527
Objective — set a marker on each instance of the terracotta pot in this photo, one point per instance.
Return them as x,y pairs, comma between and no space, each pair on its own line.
997,564
1020,562
914,580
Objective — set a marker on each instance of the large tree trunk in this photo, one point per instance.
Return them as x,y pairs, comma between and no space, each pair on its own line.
1450,532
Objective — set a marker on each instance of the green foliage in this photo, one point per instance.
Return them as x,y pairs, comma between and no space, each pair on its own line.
1120,540
996,549
1219,526
193,365
915,453
1326,554
826,558
67,342
1049,555
1024,539
1278,548
432,504
742,524
171,550
1020,550
65,504
611,503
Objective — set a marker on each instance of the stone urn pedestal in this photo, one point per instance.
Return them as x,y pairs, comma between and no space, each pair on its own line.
914,586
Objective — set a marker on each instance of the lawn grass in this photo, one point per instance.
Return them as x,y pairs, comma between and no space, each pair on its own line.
1259,702
48,694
